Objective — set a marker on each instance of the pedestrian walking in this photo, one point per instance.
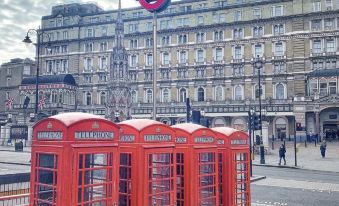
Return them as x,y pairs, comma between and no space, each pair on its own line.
282,153
323,148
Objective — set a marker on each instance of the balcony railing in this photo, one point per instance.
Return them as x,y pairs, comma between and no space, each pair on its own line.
46,106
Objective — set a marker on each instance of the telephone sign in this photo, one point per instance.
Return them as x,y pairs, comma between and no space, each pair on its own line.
155,5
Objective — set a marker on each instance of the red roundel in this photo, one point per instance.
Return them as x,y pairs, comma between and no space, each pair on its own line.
154,5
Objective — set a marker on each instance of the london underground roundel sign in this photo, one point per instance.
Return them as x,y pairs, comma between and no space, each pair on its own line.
155,5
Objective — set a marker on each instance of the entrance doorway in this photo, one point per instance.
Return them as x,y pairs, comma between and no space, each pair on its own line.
281,128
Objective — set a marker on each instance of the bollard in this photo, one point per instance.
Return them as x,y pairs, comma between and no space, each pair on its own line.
305,143
272,145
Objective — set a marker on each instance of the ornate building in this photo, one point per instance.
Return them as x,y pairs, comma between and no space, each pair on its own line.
119,88
206,50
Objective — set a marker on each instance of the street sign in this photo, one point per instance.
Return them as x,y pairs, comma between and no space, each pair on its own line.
19,132
155,5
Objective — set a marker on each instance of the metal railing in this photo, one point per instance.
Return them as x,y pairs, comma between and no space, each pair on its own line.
14,189
13,200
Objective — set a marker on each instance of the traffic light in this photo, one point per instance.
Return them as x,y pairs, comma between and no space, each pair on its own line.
256,122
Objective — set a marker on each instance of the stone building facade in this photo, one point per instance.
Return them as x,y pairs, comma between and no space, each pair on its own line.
206,51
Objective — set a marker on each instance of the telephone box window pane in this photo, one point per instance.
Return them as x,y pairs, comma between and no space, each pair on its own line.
125,183
46,177
46,194
47,160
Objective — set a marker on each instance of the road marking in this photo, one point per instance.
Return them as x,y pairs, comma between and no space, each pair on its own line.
297,184
267,203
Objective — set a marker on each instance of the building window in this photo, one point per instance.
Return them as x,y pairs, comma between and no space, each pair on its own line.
332,87
313,87
103,98
103,63
219,96
277,11
316,47
182,95
218,35
323,88
329,24
316,25
149,26
200,56
279,68
27,70
331,64
317,65
134,60
88,98
280,91
102,78
165,95
65,35
238,33
219,71
238,15
165,73
57,50
90,33
218,54
88,79
133,43
165,58
64,49
278,29
200,37
201,94
103,46
238,93
200,72
149,96
316,6
278,49
200,20
182,57
238,52
258,31
134,97
49,67
88,64
257,13
166,40
148,75
330,45
258,50
64,65
182,39
165,24
133,76
149,42
181,22
149,59
133,27
88,47
182,73
238,71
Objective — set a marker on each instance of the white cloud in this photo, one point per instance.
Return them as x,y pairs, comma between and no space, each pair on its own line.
17,16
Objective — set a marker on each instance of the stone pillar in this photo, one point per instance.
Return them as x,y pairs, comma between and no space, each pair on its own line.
2,135
265,134
30,135
317,124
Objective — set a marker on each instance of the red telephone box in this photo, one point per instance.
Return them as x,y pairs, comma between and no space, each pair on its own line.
74,158
147,161
197,165
236,172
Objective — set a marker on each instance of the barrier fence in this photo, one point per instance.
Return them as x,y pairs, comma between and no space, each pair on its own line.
14,189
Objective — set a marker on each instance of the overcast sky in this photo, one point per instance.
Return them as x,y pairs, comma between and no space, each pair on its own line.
17,16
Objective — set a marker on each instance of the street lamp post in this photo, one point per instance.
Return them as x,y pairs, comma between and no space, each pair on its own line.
250,128
258,64
40,39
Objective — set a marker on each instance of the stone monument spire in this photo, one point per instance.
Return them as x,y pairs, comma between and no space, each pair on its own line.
118,105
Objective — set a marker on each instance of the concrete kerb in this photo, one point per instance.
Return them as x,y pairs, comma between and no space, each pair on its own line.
255,178
16,163
279,166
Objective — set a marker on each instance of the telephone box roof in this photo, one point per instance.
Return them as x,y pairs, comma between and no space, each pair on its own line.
228,131
140,124
73,117
189,127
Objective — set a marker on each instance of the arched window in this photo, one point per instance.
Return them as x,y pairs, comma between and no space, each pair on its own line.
134,97
238,93
165,95
201,94
279,91
149,96
182,95
88,98
219,96
103,98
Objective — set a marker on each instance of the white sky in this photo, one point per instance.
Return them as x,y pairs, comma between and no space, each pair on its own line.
17,16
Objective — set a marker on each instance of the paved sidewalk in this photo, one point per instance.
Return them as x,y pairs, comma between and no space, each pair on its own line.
307,157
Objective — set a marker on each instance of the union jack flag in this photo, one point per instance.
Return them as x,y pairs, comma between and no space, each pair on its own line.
41,102
9,103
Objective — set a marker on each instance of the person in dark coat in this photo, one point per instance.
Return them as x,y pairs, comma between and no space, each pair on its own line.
323,148
282,153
